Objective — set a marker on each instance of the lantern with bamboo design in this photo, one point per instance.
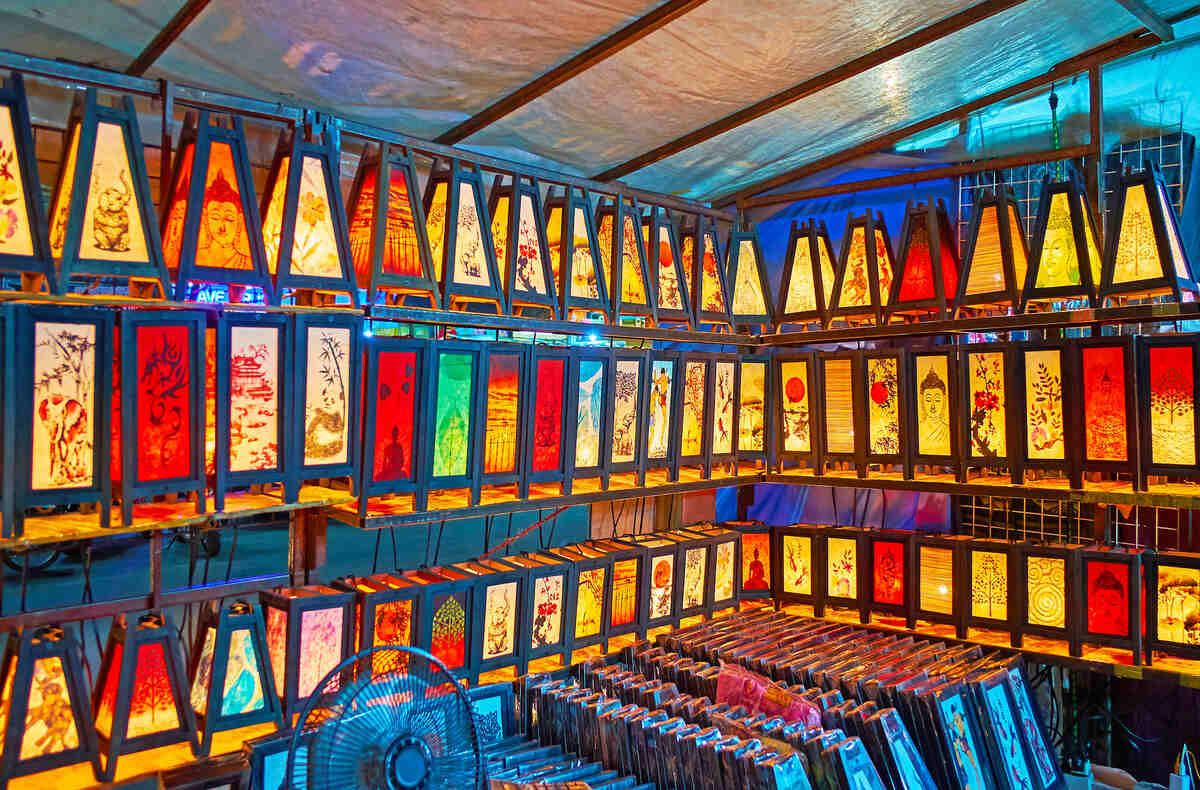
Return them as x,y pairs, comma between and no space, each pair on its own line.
843,424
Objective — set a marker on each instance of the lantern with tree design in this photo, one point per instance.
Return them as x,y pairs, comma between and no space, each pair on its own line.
1168,405
993,575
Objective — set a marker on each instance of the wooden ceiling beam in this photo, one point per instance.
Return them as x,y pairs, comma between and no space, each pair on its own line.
601,50
166,37
1149,17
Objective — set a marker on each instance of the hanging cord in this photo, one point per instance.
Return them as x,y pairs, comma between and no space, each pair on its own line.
232,551
437,549
537,524
375,557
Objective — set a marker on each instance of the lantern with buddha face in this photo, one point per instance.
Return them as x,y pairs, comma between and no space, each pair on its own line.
933,384
1113,583
397,383
1064,262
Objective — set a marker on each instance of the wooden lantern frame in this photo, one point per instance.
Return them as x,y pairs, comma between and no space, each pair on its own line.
728,362
452,174
566,427
397,288
1007,213
616,210
737,235
199,134
625,550
579,355
902,457
696,541
637,465
131,485
1070,402
953,400
1135,586
817,585
744,528
21,654
960,578
36,269
414,484
524,393
674,407
1145,348
518,298
934,217
870,222
296,144
1082,223
765,455
469,479
1013,422
701,231
1013,580
860,602
540,566
1153,563
579,563
19,325
131,640
657,546
448,581
240,616
1072,596
1163,223
372,592
86,116
906,540
226,478
858,419
701,460
566,202
782,454
656,222
815,236
721,537
503,572
300,471
1129,395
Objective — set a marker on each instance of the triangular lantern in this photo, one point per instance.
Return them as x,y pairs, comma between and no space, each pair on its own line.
620,240
102,218
1065,254
927,265
47,721
1144,256
863,282
700,248
750,303
807,285
304,221
574,254
522,252
997,255
391,257
663,258
141,697
232,683
460,239
24,242
211,230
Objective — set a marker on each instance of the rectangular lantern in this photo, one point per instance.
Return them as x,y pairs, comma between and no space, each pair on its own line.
389,613
303,220
507,390
664,567
588,388
620,241
696,560
253,380
754,559
1113,607
1167,406
997,256
499,599
843,426
663,413
26,247
1106,425
939,570
863,283
990,421
753,423
1064,262
933,408
927,265
627,404
211,231
1046,404
695,416
722,559
723,428
990,598
447,619
847,570
310,630
671,287
892,554
522,251
543,629
388,241
1173,604
57,409
548,424
795,397
807,288
588,590
451,421
626,612
700,247
1048,594
884,390
162,406
746,273
328,376
397,386
574,252
798,565
460,241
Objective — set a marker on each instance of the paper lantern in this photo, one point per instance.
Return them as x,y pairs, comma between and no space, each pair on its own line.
1107,422
60,360
997,257
700,248
460,241
574,252
1064,263
544,631
664,566
863,283
328,376
1113,606
231,675
625,611
723,427
507,378
927,265
102,219
25,246
991,594
1144,256
939,570
388,240
1048,594
722,555
696,555
807,287
1173,604
754,564
304,222
754,438
547,424
499,599
141,697
47,722
627,401
310,630
450,420
989,416
671,287
885,387
211,231
841,385
589,386
933,384
619,238
695,411
1168,406
522,251
797,565
588,591
796,399
847,570
746,273
393,440
890,557
389,612
447,620
1049,442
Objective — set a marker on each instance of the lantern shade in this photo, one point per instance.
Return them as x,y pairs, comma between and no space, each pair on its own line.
310,630
620,240
210,227
388,241
797,401
994,574
754,559
47,721
1048,594
1173,604
628,402
798,565
507,377
590,371
548,427
388,613
1049,442
574,252
863,283
753,425
843,424
663,413
26,247
451,419
695,561
1168,406
522,253
934,399
746,273
885,387
1105,426
1065,255
664,562
989,416
102,217
723,429
722,555
1113,607
544,631
808,277
700,248
695,411
397,383
304,222
460,241
927,265
447,630
671,285
848,570
589,587
626,614
997,256
1144,255
499,600
891,557
939,570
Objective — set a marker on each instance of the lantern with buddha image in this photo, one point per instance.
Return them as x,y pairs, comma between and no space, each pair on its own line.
1064,261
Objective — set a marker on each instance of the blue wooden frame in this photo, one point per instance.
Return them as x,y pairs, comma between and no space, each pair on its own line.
199,133
1082,222
703,459
86,116
674,406
503,572
446,581
870,222
470,477
567,202
368,486
639,451
453,173
518,297
226,478
542,566
41,261
299,471
765,455
566,436
747,233
816,238
778,414
701,230
656,222
616,211
524,392
625,550
581,562
579,355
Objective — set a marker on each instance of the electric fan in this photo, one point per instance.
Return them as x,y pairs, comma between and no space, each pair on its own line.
388,718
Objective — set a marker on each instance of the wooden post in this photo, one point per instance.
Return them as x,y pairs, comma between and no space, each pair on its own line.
1095,175
306,545
156,547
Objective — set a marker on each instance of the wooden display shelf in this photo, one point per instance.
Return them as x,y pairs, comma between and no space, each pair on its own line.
118,300
397,510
